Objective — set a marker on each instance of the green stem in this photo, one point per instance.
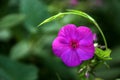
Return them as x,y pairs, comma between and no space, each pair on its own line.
95,23
58,76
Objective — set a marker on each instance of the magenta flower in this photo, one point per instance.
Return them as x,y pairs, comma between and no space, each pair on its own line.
74,44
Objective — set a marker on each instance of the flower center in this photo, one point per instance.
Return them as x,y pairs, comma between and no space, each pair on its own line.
74,44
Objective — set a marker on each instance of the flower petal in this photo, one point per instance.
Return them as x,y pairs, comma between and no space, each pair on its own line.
59,45
69,31
86,38
95,37
85,42
70,58
86,52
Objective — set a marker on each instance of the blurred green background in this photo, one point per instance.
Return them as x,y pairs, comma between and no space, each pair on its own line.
25,49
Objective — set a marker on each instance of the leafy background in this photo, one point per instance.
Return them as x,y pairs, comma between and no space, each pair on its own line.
25,49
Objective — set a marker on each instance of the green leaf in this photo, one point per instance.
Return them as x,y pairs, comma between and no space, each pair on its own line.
5,34
108,74
75,12
11,20
11,70
35,12
82,14
51,18
103,54
98,78
20,50
115,55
